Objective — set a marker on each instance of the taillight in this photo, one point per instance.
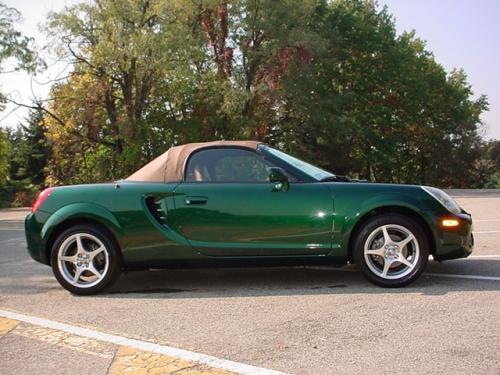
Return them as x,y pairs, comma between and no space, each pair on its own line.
41,198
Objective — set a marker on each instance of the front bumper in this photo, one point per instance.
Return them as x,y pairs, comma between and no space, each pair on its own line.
453,243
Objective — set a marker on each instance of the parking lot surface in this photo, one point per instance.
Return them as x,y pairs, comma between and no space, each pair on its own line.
304,320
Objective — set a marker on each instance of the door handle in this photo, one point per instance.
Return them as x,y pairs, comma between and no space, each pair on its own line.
196,200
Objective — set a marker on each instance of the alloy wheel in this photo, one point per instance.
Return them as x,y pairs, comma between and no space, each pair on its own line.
83,260
391,251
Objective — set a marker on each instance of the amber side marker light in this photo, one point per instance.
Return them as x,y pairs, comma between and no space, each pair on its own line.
449,223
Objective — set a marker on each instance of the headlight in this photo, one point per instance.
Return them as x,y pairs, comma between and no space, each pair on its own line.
443,198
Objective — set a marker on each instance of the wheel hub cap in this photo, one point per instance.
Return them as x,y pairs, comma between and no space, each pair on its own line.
83,260
392,251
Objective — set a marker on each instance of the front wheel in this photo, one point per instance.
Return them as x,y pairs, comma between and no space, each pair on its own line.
85,259
391,250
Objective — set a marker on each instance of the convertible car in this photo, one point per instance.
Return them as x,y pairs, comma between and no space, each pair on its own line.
241,203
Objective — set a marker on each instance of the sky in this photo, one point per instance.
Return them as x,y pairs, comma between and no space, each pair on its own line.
461,34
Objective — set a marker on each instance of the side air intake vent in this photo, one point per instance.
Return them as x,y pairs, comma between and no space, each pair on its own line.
157,210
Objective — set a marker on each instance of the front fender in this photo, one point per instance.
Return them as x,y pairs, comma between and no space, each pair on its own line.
346,221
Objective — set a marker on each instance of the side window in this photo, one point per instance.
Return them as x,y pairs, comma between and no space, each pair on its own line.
226,165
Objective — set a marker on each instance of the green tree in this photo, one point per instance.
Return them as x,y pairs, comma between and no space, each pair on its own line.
79,133
5,150
29,161
127,48
377,105
330,81
488,165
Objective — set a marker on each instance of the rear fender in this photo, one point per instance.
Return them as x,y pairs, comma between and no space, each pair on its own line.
83,211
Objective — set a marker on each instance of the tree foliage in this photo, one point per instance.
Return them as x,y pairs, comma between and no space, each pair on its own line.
488,165
24,153
5,150
15,48
31,152
330,81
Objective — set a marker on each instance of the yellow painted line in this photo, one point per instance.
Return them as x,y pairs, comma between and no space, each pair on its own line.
131,361
7,325
126,360
132,356
66,340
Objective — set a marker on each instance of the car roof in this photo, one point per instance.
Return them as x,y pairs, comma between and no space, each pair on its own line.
169,166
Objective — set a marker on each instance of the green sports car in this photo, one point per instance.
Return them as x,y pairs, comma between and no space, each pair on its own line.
241,203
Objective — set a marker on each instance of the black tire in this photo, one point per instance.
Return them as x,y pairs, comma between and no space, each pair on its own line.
92,237
372,266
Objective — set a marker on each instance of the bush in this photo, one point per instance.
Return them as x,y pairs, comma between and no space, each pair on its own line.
17,194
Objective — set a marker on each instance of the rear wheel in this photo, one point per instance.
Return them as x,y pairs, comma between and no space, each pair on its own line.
85,259
391,250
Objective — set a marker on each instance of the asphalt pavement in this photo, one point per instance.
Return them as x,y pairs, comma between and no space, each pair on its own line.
303,320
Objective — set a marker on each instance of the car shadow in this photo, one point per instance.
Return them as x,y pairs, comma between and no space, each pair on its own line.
254,282
25,277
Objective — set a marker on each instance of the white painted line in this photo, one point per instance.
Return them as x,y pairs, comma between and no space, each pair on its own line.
487,232
239,368
457,276
431,257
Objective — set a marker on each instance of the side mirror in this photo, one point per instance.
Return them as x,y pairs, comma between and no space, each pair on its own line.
278,177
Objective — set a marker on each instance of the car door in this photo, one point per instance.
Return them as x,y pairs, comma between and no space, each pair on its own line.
227,207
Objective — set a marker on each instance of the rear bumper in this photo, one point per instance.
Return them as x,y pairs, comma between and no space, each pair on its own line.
33,226
453,243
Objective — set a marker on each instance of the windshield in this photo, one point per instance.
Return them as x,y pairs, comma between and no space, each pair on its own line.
309,169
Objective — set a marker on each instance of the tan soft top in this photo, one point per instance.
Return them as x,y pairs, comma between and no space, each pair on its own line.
169,166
